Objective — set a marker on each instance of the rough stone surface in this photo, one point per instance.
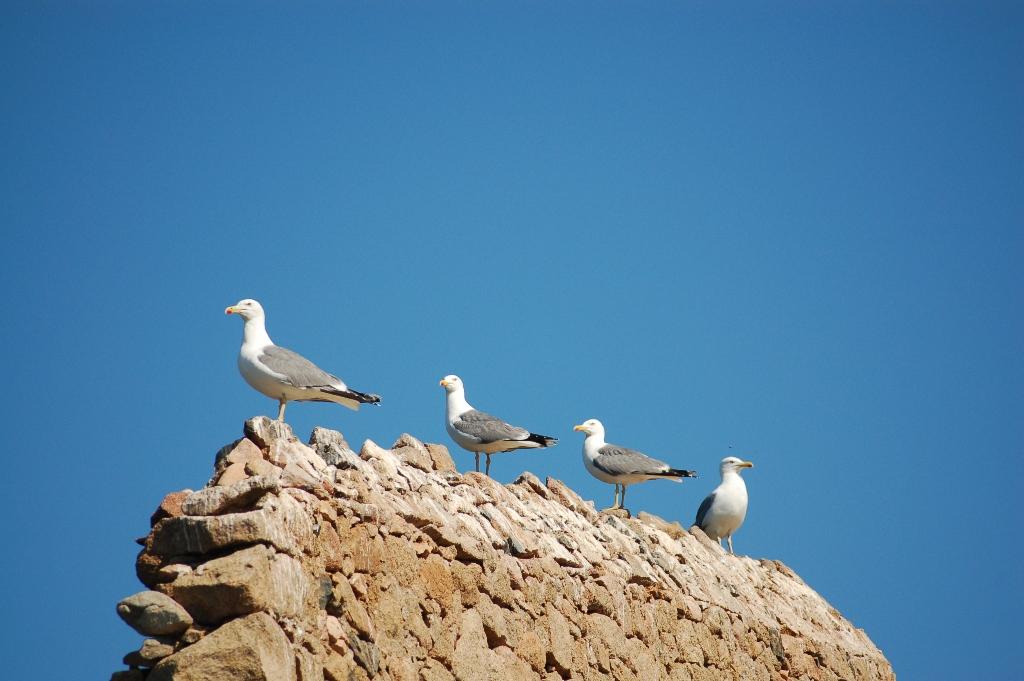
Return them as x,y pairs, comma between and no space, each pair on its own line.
253,648
390,565
246,581
280,522
170,507
152,651
153,614
220,499
331,446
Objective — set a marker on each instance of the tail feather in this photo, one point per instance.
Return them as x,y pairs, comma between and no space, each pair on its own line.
542,440
362,398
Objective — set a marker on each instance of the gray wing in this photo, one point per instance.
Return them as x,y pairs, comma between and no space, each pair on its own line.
705,506
296,369
615,460
487,428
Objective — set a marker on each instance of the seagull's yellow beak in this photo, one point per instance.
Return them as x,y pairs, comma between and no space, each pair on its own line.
747,464
230,310
580,427
444,383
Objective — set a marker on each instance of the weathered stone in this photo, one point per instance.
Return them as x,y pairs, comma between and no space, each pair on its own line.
473,659
467,547
367,655
280,521
241,495
193,634
264,431
344,603
243,582
261,467
284,452
169,573
413,452
234,456
152,651
330,445
252,648
170,506
392,566
152,613
441,459
559,651
233,474
531,481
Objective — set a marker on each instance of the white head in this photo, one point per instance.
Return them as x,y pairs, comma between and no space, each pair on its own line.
731,464
452,383
246,309
591,427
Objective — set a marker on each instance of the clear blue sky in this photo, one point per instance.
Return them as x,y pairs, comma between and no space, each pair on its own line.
795,230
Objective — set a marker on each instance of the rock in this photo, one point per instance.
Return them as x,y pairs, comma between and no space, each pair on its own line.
389,565
532,482
243,582
264,431
559,651
220,499
413,452
441,459
169,573
152,613
128,675
193,634
234,457
151,652
170,506
331,446
280,522
234,473
252,648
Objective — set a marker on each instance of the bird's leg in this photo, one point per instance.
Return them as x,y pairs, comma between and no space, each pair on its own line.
487,469
729,539
622,500
477,454
615,498
280,410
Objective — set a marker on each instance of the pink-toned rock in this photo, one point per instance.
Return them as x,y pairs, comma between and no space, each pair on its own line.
170,506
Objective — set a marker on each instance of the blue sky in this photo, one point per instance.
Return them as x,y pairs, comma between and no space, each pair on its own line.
794,230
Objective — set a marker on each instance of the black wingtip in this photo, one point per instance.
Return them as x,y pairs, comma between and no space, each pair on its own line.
680,473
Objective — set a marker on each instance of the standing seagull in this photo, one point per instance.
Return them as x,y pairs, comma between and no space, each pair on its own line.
620,466
479,432
723,511
284,375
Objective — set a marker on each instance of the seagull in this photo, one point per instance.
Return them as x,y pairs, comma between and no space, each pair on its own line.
620,466
284,375
479,432
722,512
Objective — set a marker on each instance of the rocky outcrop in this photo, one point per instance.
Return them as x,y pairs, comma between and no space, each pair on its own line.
312,562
